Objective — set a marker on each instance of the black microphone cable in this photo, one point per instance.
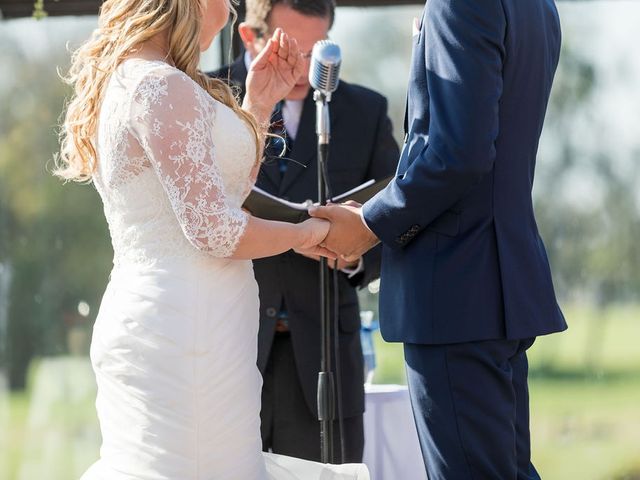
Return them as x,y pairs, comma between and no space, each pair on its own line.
336,348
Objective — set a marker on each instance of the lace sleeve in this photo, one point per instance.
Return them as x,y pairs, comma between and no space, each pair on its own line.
173,120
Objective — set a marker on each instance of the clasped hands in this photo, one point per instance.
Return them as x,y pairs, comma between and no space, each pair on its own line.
348,238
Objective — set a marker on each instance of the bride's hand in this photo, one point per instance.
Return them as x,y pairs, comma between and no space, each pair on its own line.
273,73
312,235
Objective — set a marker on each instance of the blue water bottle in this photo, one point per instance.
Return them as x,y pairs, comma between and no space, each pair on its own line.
367,327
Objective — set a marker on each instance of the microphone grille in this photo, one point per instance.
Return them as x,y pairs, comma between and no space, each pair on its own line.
325,66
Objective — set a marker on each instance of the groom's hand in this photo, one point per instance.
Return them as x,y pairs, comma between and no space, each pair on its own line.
349,236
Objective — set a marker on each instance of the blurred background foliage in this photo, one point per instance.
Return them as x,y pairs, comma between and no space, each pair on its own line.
55,253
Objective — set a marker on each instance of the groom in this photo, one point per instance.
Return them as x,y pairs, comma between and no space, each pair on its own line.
466,283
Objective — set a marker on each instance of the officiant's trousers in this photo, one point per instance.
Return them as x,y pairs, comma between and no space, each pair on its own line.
471,407
288,426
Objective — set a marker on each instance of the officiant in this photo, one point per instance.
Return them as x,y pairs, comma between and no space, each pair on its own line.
362,148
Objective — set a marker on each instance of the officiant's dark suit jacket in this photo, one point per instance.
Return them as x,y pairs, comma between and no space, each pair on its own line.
362,148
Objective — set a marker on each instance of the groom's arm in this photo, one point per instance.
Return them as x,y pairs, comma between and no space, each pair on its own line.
464,58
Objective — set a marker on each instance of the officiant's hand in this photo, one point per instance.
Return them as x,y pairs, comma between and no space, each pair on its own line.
349,237
341,262
272,75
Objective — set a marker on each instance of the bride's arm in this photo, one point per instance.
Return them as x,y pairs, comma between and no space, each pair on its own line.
173,119
264,238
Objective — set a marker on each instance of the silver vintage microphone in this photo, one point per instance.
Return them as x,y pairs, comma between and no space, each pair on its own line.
324,78
325,67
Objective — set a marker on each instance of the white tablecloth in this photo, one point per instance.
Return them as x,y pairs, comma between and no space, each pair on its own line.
391,449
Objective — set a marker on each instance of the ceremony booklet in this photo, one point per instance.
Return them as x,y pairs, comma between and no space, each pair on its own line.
270,207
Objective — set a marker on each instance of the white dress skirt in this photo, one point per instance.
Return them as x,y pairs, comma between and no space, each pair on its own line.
174,351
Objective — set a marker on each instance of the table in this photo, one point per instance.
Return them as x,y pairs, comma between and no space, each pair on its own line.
391,449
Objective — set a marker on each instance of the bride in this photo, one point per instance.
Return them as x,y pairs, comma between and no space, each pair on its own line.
173,156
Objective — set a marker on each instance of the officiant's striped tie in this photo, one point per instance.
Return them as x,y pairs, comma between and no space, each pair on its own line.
280,146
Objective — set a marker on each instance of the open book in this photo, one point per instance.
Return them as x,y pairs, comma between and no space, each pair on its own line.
270,207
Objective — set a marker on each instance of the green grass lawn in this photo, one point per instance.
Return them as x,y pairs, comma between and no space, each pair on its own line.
585,405
50,432
586,430
14,409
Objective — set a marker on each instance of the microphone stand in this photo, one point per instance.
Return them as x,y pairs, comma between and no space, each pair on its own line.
326,396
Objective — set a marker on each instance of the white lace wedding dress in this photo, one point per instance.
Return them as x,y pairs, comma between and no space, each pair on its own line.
174,345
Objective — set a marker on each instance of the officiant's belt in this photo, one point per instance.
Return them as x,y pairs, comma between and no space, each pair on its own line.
282,325
282,321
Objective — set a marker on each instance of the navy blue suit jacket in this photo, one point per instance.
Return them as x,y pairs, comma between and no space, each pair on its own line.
462,258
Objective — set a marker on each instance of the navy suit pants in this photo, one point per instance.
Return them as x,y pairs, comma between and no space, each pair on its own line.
471,407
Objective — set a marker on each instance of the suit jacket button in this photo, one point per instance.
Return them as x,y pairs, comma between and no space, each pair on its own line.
271,312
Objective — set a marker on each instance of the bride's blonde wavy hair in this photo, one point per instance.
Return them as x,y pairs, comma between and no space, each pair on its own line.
123,26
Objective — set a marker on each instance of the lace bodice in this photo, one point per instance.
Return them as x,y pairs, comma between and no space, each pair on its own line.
174,166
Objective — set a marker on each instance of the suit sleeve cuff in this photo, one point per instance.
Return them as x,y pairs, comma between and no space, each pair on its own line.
376,218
